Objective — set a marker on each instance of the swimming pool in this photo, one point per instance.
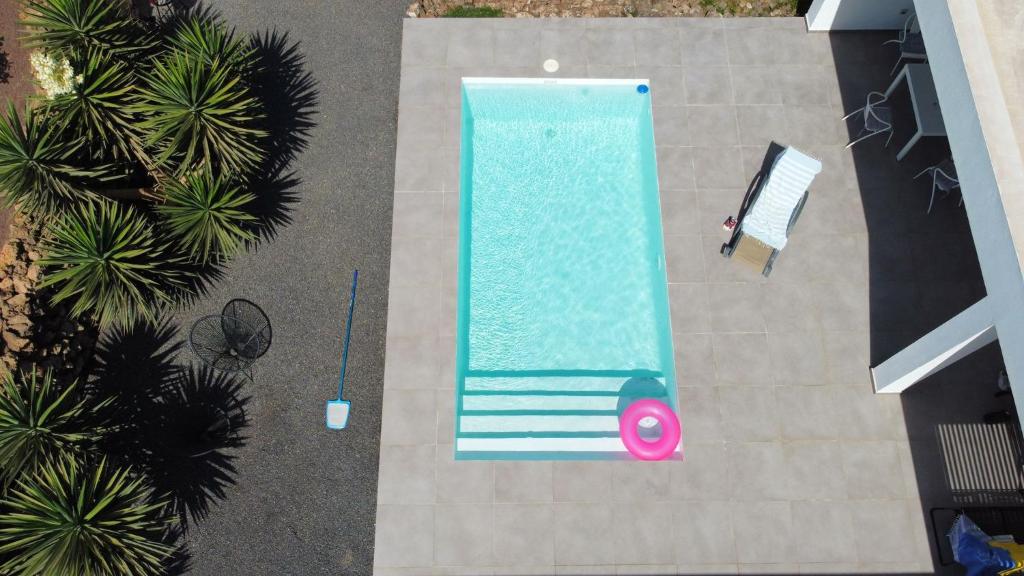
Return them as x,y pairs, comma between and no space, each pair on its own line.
563,315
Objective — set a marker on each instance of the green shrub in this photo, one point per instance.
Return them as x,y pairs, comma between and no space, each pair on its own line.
38,166
64,26
83,519
198,114
107,260
209,215
204,36
40,420
473,12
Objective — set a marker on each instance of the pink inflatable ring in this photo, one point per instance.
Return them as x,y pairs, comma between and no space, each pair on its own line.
659,449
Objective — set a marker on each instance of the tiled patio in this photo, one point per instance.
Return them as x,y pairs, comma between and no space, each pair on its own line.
792,463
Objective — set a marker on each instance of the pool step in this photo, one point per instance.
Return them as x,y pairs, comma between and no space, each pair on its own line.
573,424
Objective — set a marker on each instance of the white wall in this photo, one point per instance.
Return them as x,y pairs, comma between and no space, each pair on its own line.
826,15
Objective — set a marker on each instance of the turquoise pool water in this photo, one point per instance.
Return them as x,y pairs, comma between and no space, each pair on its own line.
563,310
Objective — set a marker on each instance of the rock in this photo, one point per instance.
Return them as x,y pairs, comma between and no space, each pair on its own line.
33,273
18,301
7,284
20,286
15,342
33,255
8,254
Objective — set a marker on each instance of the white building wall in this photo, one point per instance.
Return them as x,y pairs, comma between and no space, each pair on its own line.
826,15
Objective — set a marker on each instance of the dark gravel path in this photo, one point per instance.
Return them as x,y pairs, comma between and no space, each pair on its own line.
304,499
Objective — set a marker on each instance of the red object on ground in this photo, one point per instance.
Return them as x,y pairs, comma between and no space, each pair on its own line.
729,225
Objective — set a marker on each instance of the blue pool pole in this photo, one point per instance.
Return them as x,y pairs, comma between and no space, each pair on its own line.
338,409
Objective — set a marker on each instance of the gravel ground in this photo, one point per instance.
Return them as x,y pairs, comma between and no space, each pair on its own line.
304,499
18,82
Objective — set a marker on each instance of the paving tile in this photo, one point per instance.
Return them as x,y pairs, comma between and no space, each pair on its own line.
804,86
715,206
760,125
702,45
679,212
823,532
525,481
807,412
412,312
713,125
404,536
626,71
707,84
445,402
742,359
582,534
797,358
703,474
759,473
684,258
689,308
419,169
784,568
517,47
584,570
473,45
889,531
695,359
657,46
641,532
670,126
566,46
406,475
717,167
763,531
416,262
848,358
748,413
843,306
873,470
421,126
815,470
411,362
666,85
811,125
462,481
645,569
755,85
606,46
699,414
463,534
736,307
582,481
707,569
450,214
640,481
408,418
417,214
423,46
789,307
675,168
524,534
424,86
869,416
704,533
721,269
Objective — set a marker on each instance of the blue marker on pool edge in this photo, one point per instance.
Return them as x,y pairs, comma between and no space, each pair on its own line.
642,88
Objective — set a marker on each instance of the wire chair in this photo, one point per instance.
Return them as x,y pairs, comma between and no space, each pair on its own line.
877,119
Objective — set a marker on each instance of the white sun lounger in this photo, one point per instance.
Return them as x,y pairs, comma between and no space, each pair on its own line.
772,208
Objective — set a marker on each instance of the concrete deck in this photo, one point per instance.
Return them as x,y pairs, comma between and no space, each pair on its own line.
792,463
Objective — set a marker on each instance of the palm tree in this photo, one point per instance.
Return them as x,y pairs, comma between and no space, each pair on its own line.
83,519
106,258
209,215
38,164
200,113
40,419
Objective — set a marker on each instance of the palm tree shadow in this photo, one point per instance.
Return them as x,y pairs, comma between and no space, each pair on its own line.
290,98
178,424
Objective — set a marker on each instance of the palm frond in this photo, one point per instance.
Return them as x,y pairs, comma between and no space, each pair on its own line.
204,35
83,519
68,25
209,215
38,164
107,259
40,419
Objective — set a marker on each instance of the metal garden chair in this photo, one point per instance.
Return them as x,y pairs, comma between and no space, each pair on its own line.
910,42
944,178
877,118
